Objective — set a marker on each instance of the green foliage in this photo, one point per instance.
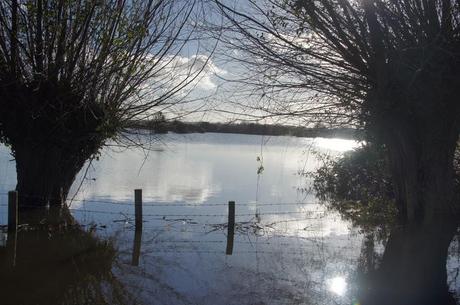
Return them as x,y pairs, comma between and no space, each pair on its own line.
358,186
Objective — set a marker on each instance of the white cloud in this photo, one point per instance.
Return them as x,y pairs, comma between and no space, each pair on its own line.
192,79
201,68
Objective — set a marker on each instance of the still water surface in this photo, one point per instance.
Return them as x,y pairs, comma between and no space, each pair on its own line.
288,248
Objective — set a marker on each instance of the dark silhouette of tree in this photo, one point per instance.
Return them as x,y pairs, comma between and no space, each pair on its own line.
390,67
157,123
72,72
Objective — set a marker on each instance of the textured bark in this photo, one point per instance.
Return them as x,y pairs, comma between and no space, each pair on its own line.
51,138
45,174
421,162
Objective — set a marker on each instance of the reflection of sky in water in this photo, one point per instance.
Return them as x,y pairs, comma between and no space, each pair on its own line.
198,168
201,169
298,255
205,168
338,145
211,168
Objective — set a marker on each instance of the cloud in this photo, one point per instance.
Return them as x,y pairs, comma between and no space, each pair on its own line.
200,70
191,79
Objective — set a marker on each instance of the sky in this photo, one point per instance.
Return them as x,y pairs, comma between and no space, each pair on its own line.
217,94
221,92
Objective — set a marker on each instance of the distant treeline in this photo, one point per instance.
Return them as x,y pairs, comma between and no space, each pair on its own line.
244,128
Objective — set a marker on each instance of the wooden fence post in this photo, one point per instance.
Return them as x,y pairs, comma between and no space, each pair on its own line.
138,208
12,211
231,227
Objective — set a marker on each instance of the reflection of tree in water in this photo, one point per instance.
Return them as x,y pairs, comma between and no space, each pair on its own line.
412,268
55,261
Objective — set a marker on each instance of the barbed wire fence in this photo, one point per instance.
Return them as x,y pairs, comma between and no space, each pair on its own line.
185,216
202,224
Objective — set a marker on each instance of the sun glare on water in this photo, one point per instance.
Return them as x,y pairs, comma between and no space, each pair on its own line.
337,285
340,145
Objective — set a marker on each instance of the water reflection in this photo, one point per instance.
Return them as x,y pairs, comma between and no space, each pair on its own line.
402,264
340,145
55,261
298,258
338,285
198,168
413,267
137,246
52,260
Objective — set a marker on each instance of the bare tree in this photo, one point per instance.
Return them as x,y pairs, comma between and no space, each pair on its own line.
73,72
390,67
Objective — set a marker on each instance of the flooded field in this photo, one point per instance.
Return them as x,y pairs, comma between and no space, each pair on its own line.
288,248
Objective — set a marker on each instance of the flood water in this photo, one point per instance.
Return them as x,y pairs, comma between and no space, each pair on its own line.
288,248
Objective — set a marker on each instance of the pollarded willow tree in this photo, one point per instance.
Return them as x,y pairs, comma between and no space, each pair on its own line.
73,72
389,66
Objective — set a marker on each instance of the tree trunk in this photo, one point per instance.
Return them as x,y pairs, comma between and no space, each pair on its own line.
52,132
421,156
45,173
